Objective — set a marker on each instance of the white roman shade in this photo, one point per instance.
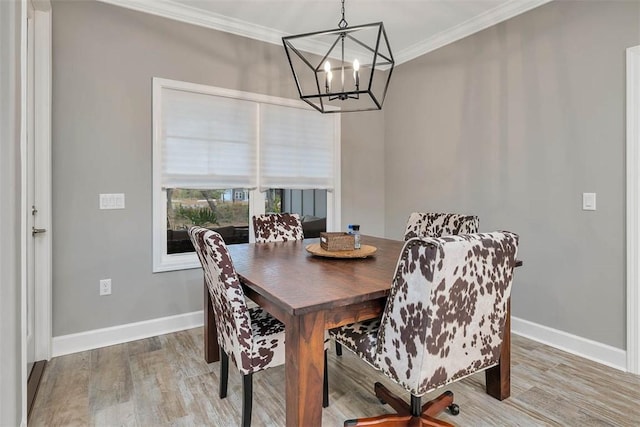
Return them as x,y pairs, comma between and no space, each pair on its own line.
296,148
207,141
212,138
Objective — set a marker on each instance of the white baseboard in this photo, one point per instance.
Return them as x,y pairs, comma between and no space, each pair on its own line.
89,340
583,347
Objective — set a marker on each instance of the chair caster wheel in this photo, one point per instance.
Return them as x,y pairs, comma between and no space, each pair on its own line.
384,402
454,409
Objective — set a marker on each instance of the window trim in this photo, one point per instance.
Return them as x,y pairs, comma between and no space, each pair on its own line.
171,262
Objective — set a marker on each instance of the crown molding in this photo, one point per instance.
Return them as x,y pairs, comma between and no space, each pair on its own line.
41,5
191,15
473,25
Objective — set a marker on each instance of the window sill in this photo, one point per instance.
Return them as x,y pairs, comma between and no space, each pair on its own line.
176,262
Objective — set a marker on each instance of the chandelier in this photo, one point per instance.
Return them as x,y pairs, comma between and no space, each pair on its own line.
341,70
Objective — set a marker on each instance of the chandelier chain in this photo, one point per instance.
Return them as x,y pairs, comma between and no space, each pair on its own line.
343,23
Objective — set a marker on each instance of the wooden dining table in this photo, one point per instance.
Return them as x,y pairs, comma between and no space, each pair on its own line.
310,294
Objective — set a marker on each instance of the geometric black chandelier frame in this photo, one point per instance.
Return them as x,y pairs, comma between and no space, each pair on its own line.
341,70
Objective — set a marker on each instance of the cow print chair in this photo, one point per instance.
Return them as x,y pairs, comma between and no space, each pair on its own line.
277,227
423,224
444,320
251,337
269,228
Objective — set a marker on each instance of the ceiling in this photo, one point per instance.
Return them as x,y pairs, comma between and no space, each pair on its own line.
414,27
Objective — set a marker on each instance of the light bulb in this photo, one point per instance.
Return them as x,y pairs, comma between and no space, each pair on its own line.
356,75
327,76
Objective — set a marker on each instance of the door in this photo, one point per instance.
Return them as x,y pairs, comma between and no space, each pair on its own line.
30,211
37,195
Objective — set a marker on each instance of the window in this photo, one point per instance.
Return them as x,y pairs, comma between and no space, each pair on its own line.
213,209
311,205
296,149
222,156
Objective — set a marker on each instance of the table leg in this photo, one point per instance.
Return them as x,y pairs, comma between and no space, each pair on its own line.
304,369
211,349
498,378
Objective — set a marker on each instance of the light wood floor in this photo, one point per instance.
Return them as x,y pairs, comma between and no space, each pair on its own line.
164,381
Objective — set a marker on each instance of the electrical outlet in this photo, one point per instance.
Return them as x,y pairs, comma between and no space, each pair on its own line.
105,287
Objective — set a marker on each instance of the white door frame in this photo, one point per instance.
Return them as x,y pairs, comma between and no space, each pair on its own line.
633,209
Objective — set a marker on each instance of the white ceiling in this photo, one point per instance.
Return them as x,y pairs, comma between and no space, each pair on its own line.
414,27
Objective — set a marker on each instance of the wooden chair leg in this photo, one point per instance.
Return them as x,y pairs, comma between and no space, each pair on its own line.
338,349
437,405
325,383
247,399
387,420
433,422
224,373
385,396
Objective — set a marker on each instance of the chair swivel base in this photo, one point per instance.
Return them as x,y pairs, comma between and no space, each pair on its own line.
410,415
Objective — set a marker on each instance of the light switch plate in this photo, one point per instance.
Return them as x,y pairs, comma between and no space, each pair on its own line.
112,201
588,201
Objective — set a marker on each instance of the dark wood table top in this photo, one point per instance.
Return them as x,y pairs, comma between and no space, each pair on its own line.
277,270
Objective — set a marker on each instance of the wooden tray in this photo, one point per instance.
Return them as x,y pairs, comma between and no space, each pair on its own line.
363,252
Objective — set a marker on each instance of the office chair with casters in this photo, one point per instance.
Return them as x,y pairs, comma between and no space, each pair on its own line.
425,224
277,227
250,337
443,321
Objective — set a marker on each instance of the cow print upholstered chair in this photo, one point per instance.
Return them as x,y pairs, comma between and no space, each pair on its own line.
251,337
277,227
423,224
269,228
444,320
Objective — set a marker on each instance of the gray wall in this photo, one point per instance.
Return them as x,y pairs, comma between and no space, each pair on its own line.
513,124
11,368
363,174
103,60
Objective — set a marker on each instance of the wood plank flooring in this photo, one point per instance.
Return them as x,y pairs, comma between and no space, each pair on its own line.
164,381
